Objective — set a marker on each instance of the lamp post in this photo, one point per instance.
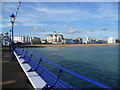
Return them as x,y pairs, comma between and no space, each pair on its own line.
13,18
12,38
10,34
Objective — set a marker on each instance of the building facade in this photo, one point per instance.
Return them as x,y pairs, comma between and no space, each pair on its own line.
87,40
5,39
78,41
55,38
68,41
26,39
111,40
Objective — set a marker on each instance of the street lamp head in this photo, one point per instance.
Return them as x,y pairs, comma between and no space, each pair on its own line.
19,3
12,18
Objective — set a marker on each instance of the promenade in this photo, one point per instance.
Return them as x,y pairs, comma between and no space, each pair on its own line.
66,45
12,75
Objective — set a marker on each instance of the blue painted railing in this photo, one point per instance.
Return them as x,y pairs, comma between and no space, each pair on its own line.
46,75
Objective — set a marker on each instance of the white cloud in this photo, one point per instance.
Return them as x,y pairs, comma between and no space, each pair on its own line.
73,31
69,26
43,10
54,11
42,35
103,28
108,11
39,29
5,25
105,11
39,17
33,18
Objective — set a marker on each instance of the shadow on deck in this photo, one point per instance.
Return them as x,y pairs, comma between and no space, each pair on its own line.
12,75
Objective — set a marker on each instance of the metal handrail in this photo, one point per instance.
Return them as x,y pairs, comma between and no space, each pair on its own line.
75,74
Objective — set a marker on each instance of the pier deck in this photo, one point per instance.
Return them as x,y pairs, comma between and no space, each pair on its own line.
12,74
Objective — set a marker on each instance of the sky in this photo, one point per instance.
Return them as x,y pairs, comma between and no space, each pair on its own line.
98,20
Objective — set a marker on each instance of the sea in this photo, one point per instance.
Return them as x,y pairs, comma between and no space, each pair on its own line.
98,63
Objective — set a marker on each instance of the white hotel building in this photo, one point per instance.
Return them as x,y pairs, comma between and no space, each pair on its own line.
55,38
111,40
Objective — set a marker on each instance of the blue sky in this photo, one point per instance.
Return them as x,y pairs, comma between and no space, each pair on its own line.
98,20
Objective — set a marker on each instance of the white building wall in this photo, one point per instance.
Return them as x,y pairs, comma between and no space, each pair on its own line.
111,40
58,39
25,39
49,39
55,38
17,39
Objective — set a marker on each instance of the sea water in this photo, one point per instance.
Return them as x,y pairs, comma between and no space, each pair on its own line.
99,63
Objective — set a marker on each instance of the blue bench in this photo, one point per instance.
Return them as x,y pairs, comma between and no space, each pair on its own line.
34,78
50,79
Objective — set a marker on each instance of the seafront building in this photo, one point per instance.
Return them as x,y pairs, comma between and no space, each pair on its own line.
68,41
55,38
26,39
89,40
5,39
58,39
111,40
117,41
100,41
78,40
43,41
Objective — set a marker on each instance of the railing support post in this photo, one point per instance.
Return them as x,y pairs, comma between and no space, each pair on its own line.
31,69
28,60
47,87
20,53
24,55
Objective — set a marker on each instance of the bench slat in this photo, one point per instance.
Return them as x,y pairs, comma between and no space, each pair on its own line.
33,77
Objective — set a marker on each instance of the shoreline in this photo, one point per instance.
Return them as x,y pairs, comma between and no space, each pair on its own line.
66,45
